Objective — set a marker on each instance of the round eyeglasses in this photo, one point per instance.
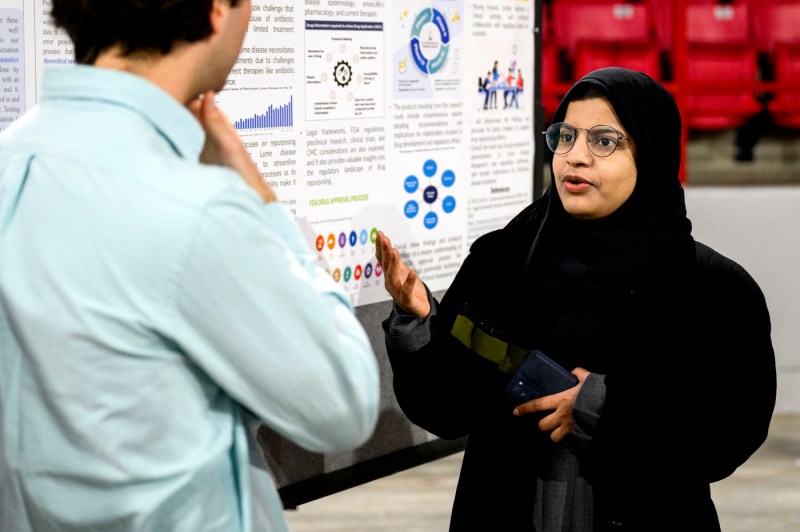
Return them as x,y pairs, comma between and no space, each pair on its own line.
602,140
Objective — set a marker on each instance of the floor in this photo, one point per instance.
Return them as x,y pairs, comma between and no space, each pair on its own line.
762,496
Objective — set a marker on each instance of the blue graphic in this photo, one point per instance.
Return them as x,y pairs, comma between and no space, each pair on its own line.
429,168
368,270
430,194
435,47
448,178
411,209
281,116
363,236
411,183
353,238
431,220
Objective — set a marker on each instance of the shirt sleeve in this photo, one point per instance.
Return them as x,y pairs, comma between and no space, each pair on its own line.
272,329
408,332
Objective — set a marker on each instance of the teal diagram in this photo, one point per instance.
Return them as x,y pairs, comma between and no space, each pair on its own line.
430,193
428,52
430,41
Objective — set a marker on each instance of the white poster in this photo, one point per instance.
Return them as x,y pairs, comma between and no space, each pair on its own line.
411,117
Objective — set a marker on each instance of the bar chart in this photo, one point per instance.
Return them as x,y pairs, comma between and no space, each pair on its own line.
273,117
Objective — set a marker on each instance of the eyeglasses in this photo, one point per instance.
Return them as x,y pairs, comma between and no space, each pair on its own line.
602,140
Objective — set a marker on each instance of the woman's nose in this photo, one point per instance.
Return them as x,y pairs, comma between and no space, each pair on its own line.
580,153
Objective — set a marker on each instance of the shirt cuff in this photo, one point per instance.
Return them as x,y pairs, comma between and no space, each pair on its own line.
408,332
588,408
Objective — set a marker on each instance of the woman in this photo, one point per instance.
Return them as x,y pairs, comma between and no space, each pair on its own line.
670,341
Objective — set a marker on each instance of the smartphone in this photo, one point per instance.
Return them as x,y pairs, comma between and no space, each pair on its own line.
538,376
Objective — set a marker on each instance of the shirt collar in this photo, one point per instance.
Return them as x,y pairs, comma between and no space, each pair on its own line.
171,119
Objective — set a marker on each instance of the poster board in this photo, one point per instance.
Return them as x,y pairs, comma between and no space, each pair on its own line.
413,117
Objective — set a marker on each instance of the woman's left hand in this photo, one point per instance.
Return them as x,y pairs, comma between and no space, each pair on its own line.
559,424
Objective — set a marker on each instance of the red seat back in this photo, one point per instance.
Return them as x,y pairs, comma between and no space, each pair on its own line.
600,21
715,23
662,22
786,105
720,50
776,22
603,33
643,58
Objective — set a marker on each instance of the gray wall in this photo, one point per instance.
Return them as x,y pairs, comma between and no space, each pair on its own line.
759,227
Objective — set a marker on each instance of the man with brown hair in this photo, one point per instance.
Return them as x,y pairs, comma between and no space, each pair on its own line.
153,294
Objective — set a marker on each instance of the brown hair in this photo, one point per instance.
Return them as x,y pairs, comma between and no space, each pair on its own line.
148,26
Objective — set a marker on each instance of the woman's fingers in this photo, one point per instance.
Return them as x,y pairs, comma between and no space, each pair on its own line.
389,258
407,289
401,282
379,249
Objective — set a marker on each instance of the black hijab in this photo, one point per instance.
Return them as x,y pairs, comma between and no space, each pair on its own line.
652,222
579,268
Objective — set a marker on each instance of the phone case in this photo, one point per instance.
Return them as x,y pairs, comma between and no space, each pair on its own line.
538,376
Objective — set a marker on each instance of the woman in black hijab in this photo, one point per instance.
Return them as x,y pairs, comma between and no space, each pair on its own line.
669,340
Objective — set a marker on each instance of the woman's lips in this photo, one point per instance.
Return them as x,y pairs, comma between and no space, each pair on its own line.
573,183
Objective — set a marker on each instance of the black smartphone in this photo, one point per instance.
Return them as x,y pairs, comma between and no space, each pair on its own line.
538,376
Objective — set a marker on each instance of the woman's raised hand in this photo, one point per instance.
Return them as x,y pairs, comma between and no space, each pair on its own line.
402,283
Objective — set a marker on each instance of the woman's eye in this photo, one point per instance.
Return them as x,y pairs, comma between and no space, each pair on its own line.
606,142
567,137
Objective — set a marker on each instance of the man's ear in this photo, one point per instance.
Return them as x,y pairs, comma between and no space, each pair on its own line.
219,12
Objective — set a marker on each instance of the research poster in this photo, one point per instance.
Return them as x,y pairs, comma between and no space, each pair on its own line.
410,117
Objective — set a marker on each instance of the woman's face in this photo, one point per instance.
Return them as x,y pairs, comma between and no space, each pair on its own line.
592,187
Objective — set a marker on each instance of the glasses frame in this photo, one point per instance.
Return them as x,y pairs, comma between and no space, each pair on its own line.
588,142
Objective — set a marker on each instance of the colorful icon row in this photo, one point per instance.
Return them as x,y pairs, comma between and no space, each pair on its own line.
356,273
354,238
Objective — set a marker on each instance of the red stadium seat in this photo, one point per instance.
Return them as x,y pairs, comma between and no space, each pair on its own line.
602,33
550,65
786,105
776,22
777,32
720,50
591,56
549,77
662,22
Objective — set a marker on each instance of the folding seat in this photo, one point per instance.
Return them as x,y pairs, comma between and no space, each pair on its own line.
777,32
662,22
720,49
664,32
550,66
786,105
600,33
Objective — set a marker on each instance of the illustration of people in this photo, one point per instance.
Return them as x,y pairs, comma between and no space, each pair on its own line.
517,89
510,90
495,83
485,83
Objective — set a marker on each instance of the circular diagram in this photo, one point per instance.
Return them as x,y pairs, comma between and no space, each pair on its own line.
430,38
430,194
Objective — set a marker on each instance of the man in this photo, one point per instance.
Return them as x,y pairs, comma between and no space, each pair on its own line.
486,83
149,303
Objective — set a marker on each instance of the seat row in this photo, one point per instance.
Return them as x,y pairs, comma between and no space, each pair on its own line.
731,45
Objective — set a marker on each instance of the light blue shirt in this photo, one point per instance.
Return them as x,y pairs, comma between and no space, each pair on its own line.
143,298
